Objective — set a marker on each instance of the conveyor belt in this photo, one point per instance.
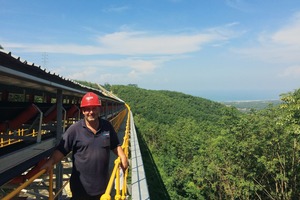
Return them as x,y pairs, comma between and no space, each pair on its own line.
18,161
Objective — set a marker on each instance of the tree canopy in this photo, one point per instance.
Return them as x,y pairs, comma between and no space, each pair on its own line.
206,150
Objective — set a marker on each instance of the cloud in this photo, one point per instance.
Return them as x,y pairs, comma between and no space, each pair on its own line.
85,74
292,72
95,75
241,5
140,43
280,46
289,34
135,53
134,43
127,69
115,9
143,66
138,64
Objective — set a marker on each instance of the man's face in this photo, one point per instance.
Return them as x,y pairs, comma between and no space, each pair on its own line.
91,113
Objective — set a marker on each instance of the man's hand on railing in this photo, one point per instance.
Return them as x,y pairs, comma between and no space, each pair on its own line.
54,158
124,163
47,166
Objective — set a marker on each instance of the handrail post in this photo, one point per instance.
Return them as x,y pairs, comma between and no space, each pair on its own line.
51,184
39,135
59,168
64,120
78,117
117,196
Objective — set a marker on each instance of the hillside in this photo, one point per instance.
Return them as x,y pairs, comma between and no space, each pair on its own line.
167,106
173,126
194,148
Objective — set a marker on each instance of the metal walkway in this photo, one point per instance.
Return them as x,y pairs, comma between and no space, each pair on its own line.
138,182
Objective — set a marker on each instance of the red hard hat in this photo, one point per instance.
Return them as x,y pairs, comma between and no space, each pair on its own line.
90,99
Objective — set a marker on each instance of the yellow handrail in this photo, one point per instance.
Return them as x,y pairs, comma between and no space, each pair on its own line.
116,172
106,195
117,121
24,185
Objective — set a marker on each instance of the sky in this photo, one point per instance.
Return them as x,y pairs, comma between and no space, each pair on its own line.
222,50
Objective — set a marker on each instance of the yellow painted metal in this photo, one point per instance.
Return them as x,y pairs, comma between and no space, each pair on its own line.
116,171
20,132
106,195
51,184
29,181
24,185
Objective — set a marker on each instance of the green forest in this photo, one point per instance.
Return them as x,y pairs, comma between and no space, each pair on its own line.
194,148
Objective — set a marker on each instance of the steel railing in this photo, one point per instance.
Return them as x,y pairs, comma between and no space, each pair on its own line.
115,176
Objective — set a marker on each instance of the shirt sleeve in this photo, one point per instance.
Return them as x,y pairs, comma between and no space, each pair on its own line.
66,143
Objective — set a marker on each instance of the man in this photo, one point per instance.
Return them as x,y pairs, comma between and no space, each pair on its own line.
90,141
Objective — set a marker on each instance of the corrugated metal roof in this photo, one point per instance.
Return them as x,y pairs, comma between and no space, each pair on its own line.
16,73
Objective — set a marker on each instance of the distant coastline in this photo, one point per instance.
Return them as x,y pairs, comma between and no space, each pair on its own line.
239,95
246,106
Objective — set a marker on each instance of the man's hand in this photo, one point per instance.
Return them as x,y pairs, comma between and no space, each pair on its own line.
124,163
48,165
54,158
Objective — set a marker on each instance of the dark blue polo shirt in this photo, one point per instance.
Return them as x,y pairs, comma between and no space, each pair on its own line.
90,156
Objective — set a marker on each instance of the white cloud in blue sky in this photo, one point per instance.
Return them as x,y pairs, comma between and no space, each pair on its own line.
221,50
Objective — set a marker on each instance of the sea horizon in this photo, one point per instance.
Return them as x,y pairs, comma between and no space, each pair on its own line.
239,96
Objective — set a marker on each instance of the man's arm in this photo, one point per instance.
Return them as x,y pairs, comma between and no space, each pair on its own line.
54,158
124,161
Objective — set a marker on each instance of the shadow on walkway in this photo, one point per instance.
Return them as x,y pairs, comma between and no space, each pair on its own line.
156,187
